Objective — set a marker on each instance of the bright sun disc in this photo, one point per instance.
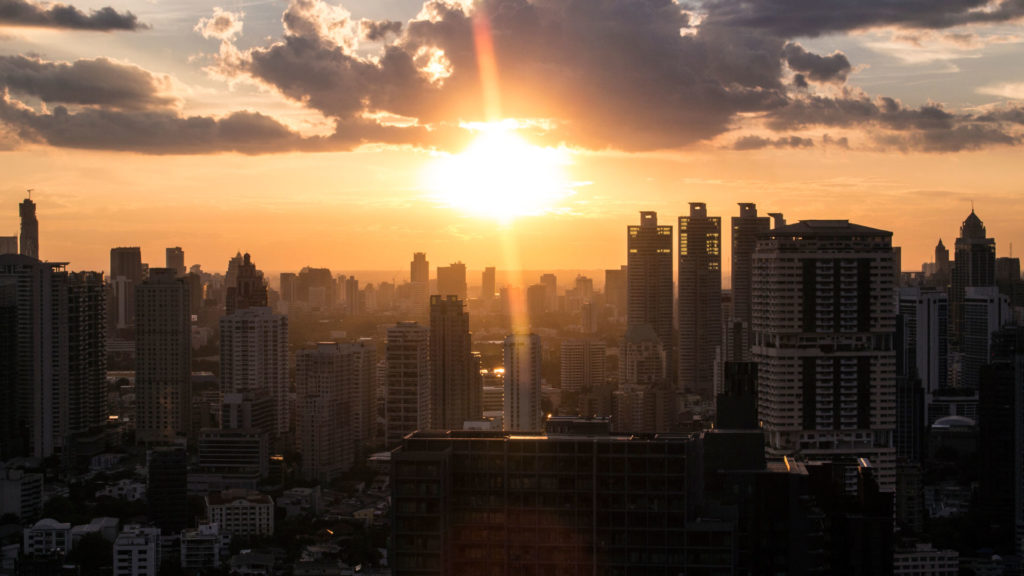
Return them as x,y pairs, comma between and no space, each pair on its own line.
500,175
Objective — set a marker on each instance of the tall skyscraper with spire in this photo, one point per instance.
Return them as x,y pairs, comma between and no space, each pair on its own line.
649,281
29,229
974,267
700,299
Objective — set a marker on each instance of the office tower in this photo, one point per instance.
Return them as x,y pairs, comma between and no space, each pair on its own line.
232,457
941,275
163,356
453,400
52,354
975,266
536,303
649,281
583,364
925,315
407,403
824,320
451,280
746,229
167,486
29,229
642,357
986,310
248,411
1001,443
1009,281
245,285
550,284
353,298
175,260
487,284
522,355
317,288
562,505
419,278
254,359
700,299
8,245
289,287
615,290
125,276
327,395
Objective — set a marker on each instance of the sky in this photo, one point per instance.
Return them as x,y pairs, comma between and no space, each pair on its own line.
523,134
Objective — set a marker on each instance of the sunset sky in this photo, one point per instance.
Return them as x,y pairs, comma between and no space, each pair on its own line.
515,133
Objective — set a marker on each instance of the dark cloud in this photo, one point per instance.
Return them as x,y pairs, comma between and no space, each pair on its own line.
98,82
25,13
833,68
796,18
758,142
379,30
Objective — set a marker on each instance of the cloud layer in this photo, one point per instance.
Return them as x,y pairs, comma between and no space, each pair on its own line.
25,13
632,75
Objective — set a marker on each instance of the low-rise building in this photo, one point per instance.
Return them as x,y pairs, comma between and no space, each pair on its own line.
21,493
203,547
924,560
241,512
125,489
137,551
47,536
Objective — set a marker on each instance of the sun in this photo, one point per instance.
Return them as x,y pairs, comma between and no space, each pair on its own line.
500,175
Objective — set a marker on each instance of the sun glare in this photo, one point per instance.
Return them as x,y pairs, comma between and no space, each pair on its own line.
500,175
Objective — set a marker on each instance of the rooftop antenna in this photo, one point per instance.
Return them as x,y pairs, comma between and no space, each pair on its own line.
30,193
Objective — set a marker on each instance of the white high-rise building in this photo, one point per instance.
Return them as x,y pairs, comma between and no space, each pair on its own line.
522,383
254,358
407,403
824,319
985,311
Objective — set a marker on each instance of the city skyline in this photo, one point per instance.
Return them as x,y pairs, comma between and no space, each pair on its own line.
466,152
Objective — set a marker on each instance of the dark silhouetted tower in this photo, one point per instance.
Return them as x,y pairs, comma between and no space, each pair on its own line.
246,287
700,299
649,280
487,284
175,260
29,228
451,280
975,266
746,228
451,378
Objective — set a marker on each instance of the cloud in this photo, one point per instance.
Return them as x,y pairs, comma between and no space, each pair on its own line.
25,13
374,30
98,82
223,25
796,18
753,142
832,68
1009,90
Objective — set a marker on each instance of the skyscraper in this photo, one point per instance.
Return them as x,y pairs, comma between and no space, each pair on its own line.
975,266
925,314
163,355
125,276
254,359
52,354
419,277
329,382
615,290
700,299
451,280
522,383
245,285
175,260
452,397
746,229
583,364
487,284
407,403
29,228
986,311
649,280
824,321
